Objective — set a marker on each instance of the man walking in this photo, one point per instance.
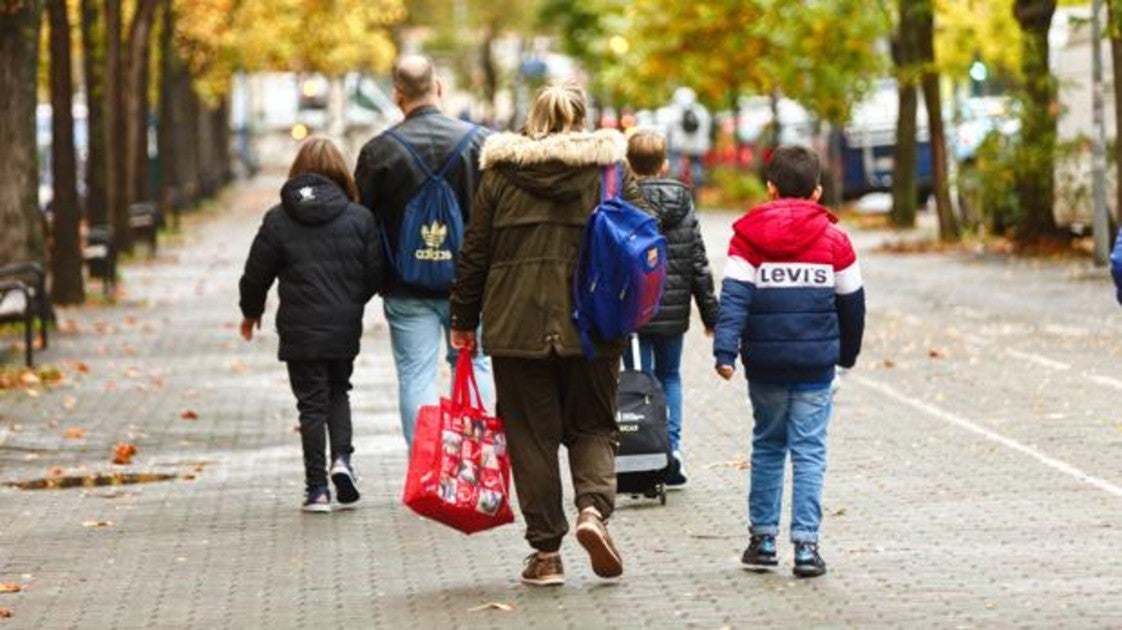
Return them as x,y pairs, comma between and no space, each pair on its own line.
402,176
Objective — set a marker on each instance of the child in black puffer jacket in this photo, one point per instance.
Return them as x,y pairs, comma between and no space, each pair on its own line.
687,277
326,252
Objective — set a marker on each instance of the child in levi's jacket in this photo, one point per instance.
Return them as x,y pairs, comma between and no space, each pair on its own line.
793,307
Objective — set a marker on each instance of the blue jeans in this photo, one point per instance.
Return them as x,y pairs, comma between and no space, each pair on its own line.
416,327
789,418
661,356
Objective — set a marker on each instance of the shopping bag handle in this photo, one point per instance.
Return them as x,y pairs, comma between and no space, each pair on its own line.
464,383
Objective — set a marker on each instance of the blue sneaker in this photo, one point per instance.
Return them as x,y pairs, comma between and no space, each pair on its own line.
760,552
343,476
807,561
317,499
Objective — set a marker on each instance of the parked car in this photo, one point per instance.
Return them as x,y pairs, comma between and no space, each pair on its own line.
867,145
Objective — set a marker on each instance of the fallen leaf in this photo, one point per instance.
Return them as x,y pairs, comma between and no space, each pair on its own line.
840,512
29,378
739,464
188,414
123,452
50,375
69,403
97,523
937,353
492,606
56,471
10,587
74,433
5,613
888,363
82,368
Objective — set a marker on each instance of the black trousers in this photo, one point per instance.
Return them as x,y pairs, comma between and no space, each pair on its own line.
545,403
325,410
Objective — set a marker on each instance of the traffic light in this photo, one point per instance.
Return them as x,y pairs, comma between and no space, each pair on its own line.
978,75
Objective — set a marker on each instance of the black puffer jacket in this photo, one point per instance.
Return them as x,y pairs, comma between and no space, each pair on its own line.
687,268
387,176
327,254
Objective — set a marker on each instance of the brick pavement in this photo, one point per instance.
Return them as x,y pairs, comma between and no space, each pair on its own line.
928,524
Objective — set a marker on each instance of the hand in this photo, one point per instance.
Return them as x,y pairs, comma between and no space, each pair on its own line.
463,339
726,371
247,327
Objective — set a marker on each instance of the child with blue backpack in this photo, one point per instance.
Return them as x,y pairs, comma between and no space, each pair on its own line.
793,308
687,276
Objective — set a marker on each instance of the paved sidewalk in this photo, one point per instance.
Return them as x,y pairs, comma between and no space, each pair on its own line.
969,486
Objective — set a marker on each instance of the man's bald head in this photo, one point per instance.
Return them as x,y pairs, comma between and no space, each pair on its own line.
413,78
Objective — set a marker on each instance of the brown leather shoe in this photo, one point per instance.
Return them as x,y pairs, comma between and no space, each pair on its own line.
543,570
592,534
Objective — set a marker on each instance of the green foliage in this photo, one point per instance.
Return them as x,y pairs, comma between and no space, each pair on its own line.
731,187
821,54
988,186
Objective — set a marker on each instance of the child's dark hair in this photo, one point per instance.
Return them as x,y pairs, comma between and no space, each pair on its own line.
646,152
794,171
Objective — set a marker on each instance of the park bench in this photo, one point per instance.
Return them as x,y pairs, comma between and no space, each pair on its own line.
145,220
100,256
23,297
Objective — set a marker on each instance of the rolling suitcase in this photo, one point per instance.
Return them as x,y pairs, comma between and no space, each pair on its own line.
643,459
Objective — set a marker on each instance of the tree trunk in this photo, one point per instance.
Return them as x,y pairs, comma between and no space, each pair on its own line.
66,252
93,60
136,100
490,74
165,139
1035,176
905,152
1114,18
21,237
925,20
115,147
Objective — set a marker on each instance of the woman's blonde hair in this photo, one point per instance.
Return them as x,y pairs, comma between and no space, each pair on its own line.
320,156
556,109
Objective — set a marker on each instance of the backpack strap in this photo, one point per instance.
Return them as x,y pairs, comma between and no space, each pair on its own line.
412,152
611,181
452,157
421,161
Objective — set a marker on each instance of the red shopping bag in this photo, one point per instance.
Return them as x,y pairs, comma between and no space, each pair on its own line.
459,469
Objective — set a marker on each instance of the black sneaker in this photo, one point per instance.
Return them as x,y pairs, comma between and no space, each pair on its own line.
760,552
676,476
807,561
317,499
343,476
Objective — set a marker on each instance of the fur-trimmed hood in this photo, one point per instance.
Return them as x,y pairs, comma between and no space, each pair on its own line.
574,148
560,167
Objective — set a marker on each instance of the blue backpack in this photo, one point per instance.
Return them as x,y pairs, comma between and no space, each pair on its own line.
432,229
621,269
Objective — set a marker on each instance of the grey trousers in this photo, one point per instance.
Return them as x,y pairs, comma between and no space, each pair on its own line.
546,403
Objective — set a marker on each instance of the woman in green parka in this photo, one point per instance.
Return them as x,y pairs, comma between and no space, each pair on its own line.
516,272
